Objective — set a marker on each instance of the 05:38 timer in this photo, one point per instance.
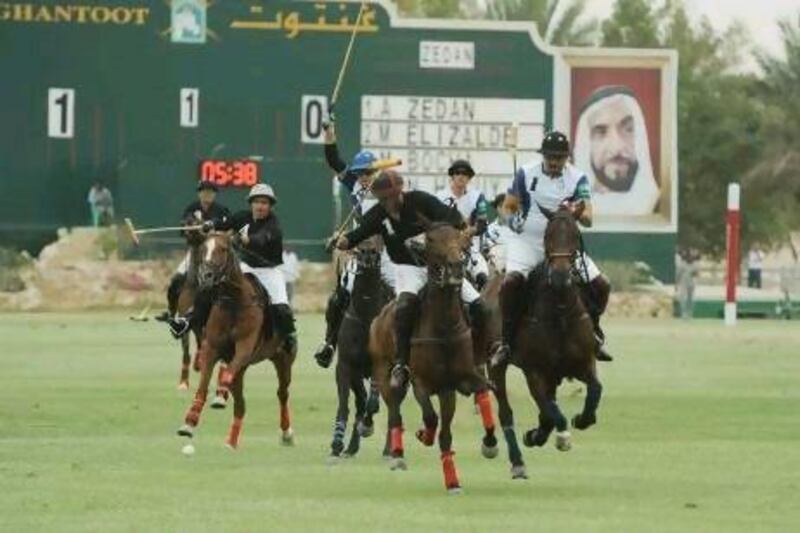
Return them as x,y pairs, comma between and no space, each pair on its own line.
226,173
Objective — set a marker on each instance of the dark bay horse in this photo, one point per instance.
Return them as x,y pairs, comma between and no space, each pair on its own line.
240,331
369,295
555,340
442,360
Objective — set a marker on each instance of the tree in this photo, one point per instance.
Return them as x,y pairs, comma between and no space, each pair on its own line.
568,29
633,24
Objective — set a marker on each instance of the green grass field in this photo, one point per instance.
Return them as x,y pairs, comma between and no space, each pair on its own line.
699,430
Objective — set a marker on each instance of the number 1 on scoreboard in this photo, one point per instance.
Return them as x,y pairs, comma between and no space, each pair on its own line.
61,113
190,108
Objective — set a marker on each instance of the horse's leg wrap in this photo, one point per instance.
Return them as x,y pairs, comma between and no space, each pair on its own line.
404,319
514,453
397,442
338,437
286,419
174,291
193,415
512,302
334,313
484,402
449,469
234,432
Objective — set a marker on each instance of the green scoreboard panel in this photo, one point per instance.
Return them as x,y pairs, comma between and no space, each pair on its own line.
151,96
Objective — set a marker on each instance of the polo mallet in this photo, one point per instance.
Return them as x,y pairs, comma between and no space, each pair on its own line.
134,233
141,317
345,63
380,164
512,140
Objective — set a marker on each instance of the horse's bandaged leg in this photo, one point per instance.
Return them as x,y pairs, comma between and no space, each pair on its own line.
286,419
234,432
397,441
193,415
449,469
485,406
514,453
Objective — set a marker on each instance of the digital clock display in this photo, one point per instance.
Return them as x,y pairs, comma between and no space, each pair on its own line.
230,173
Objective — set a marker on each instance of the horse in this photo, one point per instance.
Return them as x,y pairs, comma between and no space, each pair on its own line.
369,295
240,331
555,340
442,359
182,295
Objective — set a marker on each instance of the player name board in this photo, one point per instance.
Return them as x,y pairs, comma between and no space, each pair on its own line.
429,132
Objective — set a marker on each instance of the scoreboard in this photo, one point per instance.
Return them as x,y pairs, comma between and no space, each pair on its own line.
150,97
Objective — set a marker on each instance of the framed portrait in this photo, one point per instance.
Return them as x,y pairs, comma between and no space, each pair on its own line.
619,109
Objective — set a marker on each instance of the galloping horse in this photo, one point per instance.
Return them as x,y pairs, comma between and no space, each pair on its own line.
442,360
555,340
369,295
240,331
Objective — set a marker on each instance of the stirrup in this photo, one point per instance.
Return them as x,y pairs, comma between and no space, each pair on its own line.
501,355
399,376
178,326
324,355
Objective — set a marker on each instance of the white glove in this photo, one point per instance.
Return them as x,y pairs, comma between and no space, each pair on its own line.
243,231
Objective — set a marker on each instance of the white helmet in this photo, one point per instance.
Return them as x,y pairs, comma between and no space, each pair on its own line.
262,189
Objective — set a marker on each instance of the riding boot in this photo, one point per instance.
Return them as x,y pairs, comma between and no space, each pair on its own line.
512,300
596,294
405,315
284,326
173,292
334,313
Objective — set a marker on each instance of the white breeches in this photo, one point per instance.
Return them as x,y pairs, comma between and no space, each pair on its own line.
412,279
524,252
271,278
183,267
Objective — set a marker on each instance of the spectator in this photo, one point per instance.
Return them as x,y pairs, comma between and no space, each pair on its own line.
686,270
755,261
291,271
101,204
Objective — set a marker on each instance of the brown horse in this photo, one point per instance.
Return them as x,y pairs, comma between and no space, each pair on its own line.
555,340
239,330
442,360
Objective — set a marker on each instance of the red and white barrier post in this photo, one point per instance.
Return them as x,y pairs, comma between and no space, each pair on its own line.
732,243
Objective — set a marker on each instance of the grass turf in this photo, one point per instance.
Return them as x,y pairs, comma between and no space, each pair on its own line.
698,430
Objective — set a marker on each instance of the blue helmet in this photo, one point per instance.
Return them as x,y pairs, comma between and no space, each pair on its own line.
362,161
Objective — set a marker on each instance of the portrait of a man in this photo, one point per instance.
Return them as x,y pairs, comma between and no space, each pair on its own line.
613,148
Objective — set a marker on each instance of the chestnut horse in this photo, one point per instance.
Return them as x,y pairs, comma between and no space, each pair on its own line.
442,360
555,340
240,331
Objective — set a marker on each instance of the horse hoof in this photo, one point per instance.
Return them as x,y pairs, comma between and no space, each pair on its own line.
186,431
519,472
454,491
426,436
365,431
563,441
287,437
229,445
398,463
219,402
490,452
183,385
529,438
580,422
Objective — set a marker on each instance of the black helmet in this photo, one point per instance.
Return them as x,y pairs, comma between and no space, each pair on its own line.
461,165
211,186
555,143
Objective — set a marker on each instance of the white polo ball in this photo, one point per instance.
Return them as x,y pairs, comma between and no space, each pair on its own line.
188,450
